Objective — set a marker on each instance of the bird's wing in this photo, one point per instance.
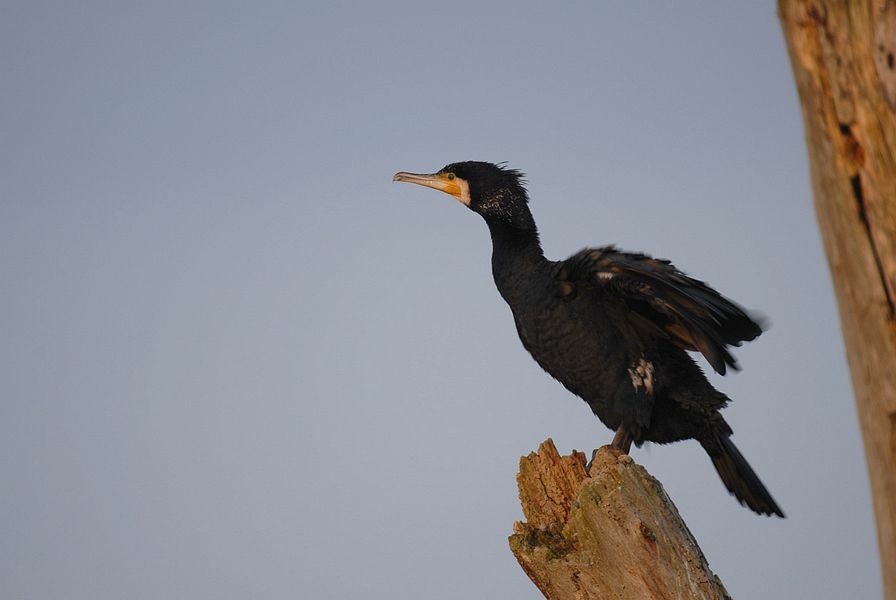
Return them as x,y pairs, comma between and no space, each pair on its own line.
665,302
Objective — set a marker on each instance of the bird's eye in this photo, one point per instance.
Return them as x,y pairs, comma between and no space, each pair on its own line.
451,176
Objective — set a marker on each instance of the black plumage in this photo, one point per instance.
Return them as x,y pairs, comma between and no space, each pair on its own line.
614,327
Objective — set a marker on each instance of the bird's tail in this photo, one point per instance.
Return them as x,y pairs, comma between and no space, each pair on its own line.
738,476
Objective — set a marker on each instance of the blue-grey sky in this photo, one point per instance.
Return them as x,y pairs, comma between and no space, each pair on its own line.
238,362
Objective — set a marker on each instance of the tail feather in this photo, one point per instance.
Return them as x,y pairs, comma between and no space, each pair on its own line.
738,476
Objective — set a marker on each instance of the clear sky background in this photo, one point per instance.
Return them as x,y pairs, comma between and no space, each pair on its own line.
238,362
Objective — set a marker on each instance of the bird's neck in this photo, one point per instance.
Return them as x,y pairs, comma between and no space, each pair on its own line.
516,256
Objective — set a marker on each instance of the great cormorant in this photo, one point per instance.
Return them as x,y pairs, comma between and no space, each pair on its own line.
614,327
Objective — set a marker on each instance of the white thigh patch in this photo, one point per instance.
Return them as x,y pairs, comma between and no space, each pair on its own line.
642,376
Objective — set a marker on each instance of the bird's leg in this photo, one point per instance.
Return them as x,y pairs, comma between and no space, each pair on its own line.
622,439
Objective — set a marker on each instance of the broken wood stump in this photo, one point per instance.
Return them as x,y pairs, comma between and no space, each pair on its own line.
610,533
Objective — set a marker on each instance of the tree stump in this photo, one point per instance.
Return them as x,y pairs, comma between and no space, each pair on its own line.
610,533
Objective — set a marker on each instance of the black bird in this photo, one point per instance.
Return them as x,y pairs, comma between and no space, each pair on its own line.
614,327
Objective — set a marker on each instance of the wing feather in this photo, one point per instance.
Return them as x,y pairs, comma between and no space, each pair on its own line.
686,311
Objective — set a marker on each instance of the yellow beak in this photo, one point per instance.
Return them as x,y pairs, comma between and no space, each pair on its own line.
455,186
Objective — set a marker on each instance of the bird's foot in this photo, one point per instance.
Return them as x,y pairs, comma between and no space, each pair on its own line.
621,444
611,454
591,462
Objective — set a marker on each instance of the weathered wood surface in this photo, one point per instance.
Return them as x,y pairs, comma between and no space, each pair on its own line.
612,535
843,54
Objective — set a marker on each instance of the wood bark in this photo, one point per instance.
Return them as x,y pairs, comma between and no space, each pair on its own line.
843,55
611,533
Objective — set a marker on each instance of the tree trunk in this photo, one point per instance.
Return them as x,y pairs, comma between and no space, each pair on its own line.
844,60
615,534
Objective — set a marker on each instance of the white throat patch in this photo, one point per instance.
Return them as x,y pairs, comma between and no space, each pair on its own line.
464,193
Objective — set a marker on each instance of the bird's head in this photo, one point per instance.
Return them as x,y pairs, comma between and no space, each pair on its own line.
494,191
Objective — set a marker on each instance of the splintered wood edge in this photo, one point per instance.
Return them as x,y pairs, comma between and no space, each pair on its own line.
549,484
